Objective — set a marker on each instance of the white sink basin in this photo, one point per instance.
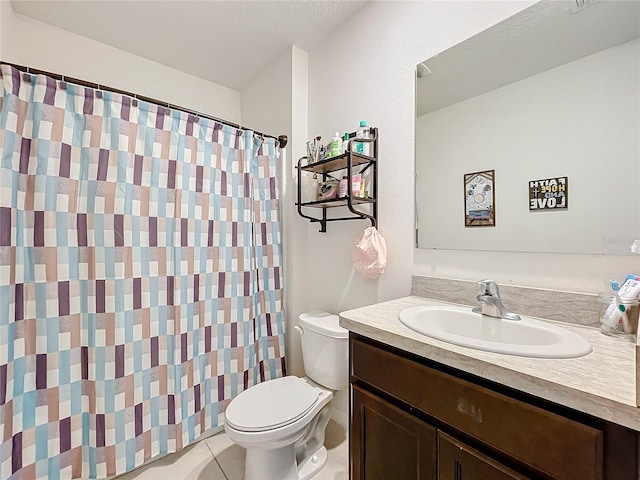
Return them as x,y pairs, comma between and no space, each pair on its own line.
526,337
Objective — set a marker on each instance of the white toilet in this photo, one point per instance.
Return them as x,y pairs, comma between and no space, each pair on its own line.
282,422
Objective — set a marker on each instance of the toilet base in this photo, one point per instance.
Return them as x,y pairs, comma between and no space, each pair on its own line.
280,464
276,464
313,464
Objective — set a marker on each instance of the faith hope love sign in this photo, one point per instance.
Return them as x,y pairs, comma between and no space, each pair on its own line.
547,194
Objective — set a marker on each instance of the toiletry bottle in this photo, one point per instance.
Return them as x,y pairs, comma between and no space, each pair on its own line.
356,180
367,147
345,143
336,143
313,189
316,145
344,185
363,132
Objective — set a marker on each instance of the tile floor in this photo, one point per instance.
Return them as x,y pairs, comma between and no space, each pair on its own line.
217,458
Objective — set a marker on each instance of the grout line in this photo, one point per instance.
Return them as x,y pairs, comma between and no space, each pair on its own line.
221,469
216,460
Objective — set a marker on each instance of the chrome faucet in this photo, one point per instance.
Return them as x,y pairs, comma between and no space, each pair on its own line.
491,303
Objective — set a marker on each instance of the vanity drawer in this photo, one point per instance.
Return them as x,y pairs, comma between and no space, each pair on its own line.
551,444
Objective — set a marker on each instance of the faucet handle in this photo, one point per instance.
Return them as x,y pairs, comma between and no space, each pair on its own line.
489,287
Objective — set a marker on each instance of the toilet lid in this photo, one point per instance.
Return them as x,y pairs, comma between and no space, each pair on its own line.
271,404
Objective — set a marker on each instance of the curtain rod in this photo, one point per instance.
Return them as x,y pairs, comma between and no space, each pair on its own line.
282,139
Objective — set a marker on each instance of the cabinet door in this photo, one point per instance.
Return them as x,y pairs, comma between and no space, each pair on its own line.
552,444
389,443
457,461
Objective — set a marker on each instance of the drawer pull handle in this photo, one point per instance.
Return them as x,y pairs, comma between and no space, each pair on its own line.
467,408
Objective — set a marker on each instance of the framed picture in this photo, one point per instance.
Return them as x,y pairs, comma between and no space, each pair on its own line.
549,194
479,199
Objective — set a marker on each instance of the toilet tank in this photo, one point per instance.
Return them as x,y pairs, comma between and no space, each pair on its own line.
325,349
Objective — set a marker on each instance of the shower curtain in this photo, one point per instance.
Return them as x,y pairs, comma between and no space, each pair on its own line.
140,277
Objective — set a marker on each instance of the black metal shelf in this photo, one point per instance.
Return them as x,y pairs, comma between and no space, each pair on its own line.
346,161
334,164
337,202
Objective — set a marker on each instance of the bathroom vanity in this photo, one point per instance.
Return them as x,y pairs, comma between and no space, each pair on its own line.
426,409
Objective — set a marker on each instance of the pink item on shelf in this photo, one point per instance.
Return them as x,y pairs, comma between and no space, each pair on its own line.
344,187
356,180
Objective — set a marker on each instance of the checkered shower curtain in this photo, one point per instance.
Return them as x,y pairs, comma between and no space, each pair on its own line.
140,277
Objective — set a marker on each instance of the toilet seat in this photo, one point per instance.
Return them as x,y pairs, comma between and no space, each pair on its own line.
281,402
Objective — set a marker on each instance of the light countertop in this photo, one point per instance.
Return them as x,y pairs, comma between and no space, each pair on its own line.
601,384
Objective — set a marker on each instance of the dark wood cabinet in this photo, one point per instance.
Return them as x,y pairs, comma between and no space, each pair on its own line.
389,442
458,461
412,418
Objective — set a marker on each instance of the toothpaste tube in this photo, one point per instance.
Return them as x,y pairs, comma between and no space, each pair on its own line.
630,289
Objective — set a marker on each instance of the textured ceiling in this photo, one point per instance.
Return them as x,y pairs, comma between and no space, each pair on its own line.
226,42
537,39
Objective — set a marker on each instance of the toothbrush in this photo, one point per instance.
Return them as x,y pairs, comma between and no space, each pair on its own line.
626,324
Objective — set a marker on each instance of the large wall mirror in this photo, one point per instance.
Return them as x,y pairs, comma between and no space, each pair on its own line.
551,93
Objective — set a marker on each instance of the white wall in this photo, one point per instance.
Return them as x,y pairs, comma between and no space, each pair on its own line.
579,120
366,70
27,42
266,102
298,280
276,103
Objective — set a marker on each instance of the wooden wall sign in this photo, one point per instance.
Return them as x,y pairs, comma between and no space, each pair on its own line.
479,199
549,194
